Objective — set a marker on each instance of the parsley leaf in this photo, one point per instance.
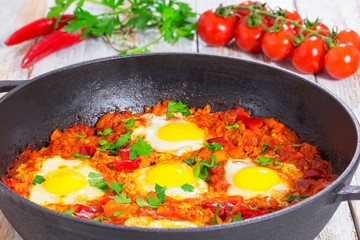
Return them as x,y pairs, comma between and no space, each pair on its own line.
293,198
189,160
38,179
142,202
80,136
296,145
264,148
117,187
276,148
233,126
160,192
174,107
106,132
121,198
129,123
77,155
142,148
69,212
212,146
94,175
122,140
153,202
187,187
98,183
117,214
216,213
237,217
266,161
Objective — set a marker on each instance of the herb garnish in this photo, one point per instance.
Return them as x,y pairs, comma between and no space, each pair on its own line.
276,148
129,123
187,187
233,126
78,155
117,187
38,179
122,140
142,148
153,202
293,198
266,161
212,146
98,183
106,132
174,107
80,136
216,213
237,217
264,148
121,198
69,212
296,145
201,171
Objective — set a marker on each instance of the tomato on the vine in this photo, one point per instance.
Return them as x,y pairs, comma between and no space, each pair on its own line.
249,38
277,45
319,27
349,37
309,56
342,61
244,13
216,30
290,15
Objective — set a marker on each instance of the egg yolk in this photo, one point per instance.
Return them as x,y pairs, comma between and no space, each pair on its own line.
64,181
256,178
179,131
170,175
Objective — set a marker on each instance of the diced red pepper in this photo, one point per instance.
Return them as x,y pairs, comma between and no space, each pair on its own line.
87,150
220,140
241,113
224,207
125,153
250,213
85,212
103,201
313,173
251,122
126,165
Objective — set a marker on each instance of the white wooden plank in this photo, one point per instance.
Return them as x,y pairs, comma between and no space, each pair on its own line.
6,230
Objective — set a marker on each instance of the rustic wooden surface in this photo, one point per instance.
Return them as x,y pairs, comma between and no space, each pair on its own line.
344,225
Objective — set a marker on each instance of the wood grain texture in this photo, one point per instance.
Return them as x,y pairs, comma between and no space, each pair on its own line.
20,12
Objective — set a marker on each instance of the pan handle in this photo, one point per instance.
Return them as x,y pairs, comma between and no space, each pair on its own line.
346,193
6,86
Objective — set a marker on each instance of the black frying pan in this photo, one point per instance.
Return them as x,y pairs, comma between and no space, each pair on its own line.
82,92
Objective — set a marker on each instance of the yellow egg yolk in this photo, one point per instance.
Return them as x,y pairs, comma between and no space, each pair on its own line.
170,175
64,181
256,178
178,131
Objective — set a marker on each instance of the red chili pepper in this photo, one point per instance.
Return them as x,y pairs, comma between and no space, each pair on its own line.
125,153
50,43
126,165
87,150
224,207
251,122
36,29
313,173
85,212
250,213
220,140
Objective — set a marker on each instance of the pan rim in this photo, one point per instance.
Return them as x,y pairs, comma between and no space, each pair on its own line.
328,190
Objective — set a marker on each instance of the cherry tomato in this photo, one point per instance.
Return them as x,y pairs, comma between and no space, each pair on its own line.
277,45
215,30
248,38
309,56
244,13
342,61
319,26
290,15
349,37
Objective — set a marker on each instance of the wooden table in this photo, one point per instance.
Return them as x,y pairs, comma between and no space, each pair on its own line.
345,224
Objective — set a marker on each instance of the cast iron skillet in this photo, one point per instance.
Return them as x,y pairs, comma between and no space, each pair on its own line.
82,92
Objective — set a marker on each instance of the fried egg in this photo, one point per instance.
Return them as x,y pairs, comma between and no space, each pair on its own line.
151,223
249,180
66,182
172,174
175,136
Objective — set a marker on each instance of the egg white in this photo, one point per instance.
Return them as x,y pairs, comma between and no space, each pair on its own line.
151,223
233,166
150,134
40,195
139,176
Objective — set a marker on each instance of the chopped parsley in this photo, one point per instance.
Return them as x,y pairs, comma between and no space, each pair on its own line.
122,140
233,126
265,146
117,214
266,161
237,217
201,171
296,145
106,132
153,202
187,187
69,212
117,187
191,160
129,123
121,198
174,107
141,148
98,183
80,136
293,198
216,213
38,179
212,146
78,155
105,145
276,148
